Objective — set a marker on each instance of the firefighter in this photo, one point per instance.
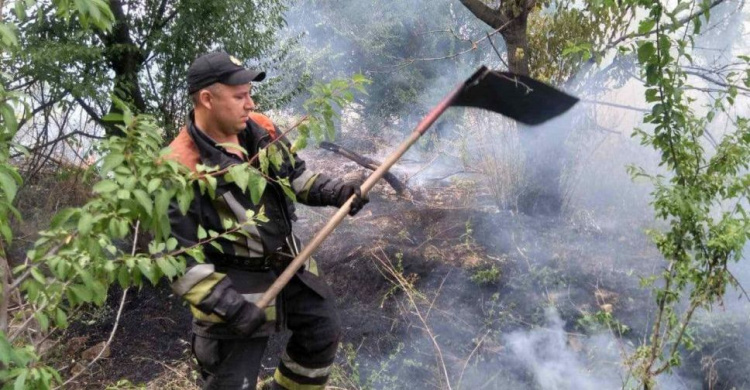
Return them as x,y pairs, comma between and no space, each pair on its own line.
230,332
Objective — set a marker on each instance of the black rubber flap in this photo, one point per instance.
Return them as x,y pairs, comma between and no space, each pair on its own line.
518,97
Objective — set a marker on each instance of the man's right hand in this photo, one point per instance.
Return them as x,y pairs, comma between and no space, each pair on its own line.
247,320
241,315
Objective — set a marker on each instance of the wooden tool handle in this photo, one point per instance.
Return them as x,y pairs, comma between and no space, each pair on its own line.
298,261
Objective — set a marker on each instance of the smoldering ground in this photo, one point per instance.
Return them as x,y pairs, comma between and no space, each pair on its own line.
492,297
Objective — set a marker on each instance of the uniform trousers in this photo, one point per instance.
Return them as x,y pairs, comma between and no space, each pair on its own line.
307,359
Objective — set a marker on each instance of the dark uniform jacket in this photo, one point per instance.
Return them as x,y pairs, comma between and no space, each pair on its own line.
248,265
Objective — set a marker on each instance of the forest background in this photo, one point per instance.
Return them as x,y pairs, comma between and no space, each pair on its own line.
538,253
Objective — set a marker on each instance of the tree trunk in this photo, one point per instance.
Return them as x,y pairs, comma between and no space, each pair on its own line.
126,60
512,27
517,45
543,148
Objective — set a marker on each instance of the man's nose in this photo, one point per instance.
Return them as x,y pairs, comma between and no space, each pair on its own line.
249,103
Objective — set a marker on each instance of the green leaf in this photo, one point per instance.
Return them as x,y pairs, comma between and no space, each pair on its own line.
81,293
166,267
172,243
232,145
263,159
7,233
646,26
153,184
148,270
123,194
240,175
645,52
123,276
43,320
275,156
84,224
681,7
183,201
144,200
202,233
161,205
37,275
105,186
63,216
287,189
6,350
99,292
61,319
112,160
257,186
8,38
8,184
217,246
20,383
115,117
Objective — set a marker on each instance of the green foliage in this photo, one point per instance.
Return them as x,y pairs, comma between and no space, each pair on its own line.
600,321
351,375
82,254
566,35
145,60
484,276
700,193
19,368
323,106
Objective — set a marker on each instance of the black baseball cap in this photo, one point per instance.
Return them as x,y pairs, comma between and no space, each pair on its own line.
219,67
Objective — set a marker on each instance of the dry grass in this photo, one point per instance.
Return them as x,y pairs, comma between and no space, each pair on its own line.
496,152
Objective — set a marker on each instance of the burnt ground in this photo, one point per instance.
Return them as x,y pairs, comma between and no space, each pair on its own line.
441,241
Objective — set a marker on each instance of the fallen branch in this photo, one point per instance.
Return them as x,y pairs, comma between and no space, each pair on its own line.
365,162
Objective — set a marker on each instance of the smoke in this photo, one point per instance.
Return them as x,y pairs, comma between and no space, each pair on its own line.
590,255
554,365
595,362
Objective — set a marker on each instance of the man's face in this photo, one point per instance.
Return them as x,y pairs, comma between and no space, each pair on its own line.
230,106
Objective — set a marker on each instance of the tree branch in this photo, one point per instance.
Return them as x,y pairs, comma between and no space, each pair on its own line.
58,139
717,82
90,111
494,18
364,162
679,23
40,108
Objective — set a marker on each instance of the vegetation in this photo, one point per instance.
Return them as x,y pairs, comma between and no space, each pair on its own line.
701,193
75,261
122,65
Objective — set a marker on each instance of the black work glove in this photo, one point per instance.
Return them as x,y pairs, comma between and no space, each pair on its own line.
247,320
345,191
242,316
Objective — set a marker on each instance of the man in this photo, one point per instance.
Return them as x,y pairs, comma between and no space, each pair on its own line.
229,331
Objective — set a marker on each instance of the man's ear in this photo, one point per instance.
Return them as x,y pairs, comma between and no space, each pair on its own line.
205,97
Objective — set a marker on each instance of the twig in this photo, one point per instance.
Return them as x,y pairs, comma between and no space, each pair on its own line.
474,46
497,51
460,377
601,103
257,155
422,168
437,294
106,345
289,130
404,284
117,318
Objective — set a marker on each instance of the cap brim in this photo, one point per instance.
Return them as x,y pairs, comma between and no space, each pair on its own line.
243,77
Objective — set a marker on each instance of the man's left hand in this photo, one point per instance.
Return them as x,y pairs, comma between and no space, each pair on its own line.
345,192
